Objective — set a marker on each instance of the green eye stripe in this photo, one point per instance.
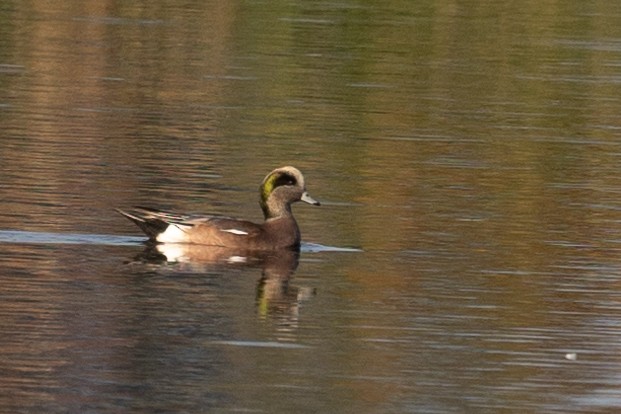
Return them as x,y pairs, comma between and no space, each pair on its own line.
273,181
268,187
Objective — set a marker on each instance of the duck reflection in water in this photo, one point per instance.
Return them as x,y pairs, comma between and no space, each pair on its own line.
275,296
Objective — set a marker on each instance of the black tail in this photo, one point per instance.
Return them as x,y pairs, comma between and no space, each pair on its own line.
150,225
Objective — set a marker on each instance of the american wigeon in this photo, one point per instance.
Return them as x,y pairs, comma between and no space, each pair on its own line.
279,190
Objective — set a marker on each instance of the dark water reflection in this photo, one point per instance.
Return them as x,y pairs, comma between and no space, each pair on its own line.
84,328
468,153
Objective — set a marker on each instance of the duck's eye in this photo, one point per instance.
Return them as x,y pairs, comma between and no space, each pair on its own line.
285,179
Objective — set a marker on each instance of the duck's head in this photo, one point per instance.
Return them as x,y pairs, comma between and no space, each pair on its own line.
280,188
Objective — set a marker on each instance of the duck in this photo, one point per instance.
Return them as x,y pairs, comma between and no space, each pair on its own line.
279,190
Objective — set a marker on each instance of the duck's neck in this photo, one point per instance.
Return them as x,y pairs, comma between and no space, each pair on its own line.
273,210
283,232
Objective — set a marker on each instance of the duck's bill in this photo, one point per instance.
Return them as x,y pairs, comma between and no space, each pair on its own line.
308,199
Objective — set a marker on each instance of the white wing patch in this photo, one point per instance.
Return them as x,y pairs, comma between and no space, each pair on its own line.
174,233
235,231
237,259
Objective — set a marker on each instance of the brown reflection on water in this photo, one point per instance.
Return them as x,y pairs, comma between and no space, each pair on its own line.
98,332
99,93
44,329
471,152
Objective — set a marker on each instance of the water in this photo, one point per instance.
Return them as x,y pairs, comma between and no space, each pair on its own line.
465,257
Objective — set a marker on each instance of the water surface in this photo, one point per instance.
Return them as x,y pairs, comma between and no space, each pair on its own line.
464,259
